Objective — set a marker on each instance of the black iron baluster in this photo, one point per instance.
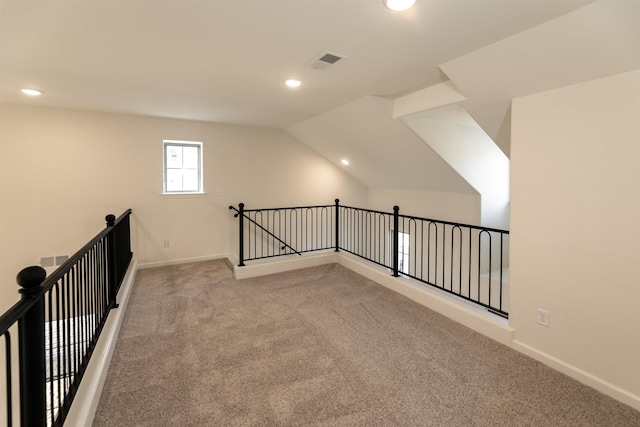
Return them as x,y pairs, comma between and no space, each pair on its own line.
9,384
395,240
421,249
501,267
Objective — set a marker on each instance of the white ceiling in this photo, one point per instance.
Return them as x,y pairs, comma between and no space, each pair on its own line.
384,152
595,41
224,60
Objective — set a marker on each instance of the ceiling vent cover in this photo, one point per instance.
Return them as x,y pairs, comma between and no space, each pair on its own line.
325,60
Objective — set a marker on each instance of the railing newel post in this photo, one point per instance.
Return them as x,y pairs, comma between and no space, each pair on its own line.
337,225
31,350
241,234
396,224
111,260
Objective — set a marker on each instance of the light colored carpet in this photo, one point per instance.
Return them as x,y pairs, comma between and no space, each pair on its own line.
321,347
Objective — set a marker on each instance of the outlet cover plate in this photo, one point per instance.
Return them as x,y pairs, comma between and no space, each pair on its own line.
543,317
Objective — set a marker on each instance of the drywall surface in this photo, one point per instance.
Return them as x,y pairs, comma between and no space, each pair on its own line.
457,138
575,210
383,151
454,207
62,171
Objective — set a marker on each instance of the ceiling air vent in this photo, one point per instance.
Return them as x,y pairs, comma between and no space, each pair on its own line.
325,60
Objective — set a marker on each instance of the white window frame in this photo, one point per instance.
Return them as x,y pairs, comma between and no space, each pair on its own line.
165,167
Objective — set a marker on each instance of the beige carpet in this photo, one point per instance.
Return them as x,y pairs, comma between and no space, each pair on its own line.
321,346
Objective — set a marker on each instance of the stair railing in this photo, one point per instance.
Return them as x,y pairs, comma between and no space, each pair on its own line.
58,320
464,260
243,215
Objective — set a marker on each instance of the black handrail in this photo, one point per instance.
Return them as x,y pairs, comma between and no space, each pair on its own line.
59,320
435,253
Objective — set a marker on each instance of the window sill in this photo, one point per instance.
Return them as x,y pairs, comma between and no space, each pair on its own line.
182,195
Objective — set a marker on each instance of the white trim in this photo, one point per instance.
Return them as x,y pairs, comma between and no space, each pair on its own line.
467,314
285,263
183,260
182,144
86,400
85,403
464,313
578,374
182,195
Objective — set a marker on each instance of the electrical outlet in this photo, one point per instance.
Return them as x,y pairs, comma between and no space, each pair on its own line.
543,317
167,243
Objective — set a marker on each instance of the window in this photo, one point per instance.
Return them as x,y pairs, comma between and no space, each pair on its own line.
182,167
403,251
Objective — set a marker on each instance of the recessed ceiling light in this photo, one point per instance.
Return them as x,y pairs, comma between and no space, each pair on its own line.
345,162
293,82
31,92
398,5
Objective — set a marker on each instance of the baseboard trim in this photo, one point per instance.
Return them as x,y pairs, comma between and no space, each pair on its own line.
470,316
287,263
475,318
155,264
85,403
578,374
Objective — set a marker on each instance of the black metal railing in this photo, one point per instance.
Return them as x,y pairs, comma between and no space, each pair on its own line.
272,232
58,320
464,260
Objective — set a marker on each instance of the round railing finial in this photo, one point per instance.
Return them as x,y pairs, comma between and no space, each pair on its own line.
31,277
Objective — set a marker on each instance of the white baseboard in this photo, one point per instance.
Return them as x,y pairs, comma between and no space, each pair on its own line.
85,403
184,260
470,316
475,318
86,400
285,263
578,374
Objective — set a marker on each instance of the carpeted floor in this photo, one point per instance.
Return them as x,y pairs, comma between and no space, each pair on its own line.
321,347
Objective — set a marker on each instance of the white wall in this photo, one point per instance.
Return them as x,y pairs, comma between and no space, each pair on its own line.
457,138
446,206
575,228
63,171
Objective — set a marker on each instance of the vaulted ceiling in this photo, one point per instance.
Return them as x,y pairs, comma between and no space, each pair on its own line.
225,61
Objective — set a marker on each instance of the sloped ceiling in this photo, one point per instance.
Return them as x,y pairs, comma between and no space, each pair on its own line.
383,151
225,61
598,40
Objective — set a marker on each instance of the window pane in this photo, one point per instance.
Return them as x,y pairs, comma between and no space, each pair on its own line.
190,180
182,167
174,180
190,157
174,156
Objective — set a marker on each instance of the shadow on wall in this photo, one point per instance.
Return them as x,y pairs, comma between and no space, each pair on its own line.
458,139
